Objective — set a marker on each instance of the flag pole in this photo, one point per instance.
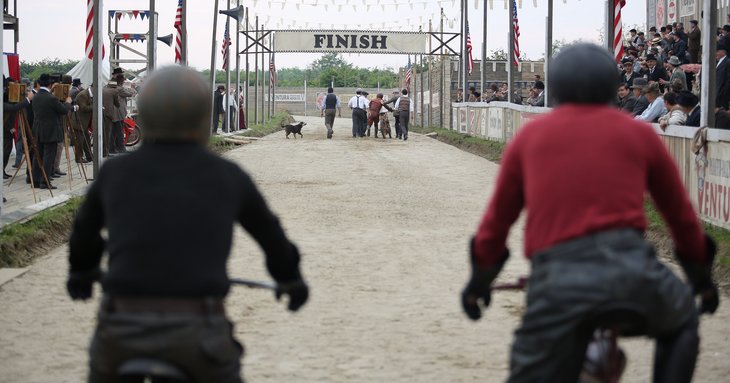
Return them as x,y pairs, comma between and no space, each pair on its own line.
482,68
248,81
184,33
548,49
97,115
511,52
238,70
228,75
212,62
256,75
464,53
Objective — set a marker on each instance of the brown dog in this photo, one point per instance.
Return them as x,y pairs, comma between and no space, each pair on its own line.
384,126
295,129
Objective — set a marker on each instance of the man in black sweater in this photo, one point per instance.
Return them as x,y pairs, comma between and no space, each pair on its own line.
164,289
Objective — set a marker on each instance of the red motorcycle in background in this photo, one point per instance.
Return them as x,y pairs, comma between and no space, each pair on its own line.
131,128
132,131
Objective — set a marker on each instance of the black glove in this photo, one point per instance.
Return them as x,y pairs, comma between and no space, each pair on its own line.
700,277
478,290
80,283
297,291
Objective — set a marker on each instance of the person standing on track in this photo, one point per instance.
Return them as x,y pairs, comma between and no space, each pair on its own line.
167,277
358,104
404,106
584,231
330,105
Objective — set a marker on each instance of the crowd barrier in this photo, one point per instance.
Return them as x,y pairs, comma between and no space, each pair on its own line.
706,176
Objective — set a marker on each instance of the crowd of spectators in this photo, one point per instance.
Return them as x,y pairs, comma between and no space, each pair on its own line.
659,79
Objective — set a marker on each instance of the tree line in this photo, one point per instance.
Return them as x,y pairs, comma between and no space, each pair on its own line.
328,69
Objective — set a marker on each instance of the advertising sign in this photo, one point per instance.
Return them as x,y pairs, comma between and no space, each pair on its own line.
671,11
686,8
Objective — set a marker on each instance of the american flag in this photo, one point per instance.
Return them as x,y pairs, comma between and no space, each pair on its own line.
409,74
470,63
226,44
178,32
272,72
516,24
618,44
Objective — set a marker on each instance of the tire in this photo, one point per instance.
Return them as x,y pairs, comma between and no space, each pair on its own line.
134,137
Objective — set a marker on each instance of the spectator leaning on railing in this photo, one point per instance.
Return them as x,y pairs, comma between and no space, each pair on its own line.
675,114
656,104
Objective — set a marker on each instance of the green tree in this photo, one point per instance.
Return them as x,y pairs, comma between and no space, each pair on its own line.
33,70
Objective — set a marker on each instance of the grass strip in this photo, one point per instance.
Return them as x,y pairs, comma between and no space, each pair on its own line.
20,243
219,145
490,150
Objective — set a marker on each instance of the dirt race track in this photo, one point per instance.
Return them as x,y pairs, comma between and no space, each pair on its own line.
383,228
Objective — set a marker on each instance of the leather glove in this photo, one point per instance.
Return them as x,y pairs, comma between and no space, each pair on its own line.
80,283
297,291
478,290
700,277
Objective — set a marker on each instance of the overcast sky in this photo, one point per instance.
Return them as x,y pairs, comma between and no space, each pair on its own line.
56,28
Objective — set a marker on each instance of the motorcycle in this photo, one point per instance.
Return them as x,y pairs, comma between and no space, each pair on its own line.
131,128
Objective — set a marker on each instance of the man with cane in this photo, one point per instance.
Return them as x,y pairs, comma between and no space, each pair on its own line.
167,277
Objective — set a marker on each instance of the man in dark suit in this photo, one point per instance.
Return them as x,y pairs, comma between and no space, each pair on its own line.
218,108
688,102
626,99
47,128
722,81
694,42
628,75
655,72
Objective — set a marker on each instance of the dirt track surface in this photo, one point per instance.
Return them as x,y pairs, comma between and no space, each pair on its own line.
383,228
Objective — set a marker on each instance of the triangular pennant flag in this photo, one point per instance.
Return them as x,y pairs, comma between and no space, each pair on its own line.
125,36
111,13
136,14
130,14
118,15
143,14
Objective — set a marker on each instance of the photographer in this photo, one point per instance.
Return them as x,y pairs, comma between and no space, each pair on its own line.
47,129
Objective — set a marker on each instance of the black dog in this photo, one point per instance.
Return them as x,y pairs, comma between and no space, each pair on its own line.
295,129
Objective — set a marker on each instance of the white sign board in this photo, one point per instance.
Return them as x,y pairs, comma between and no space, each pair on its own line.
351,41
289,97
671,11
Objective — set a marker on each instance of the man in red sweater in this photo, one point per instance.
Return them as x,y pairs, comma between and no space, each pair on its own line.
581,173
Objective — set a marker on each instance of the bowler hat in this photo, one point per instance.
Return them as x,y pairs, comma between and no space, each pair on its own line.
639,83
721,47
76,82
650,58
117,70
674,60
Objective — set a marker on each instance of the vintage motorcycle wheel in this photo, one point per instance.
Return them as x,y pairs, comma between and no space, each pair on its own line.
134,136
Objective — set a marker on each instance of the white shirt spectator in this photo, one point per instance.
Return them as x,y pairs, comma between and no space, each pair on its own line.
654,111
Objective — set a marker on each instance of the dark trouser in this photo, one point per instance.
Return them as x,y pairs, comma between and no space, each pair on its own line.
19,151
216,121
117,138
694,56
232,120
7,147
359,122
82,146
47,150
107,136
573,280
329,120
201,345
404,119
397,125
